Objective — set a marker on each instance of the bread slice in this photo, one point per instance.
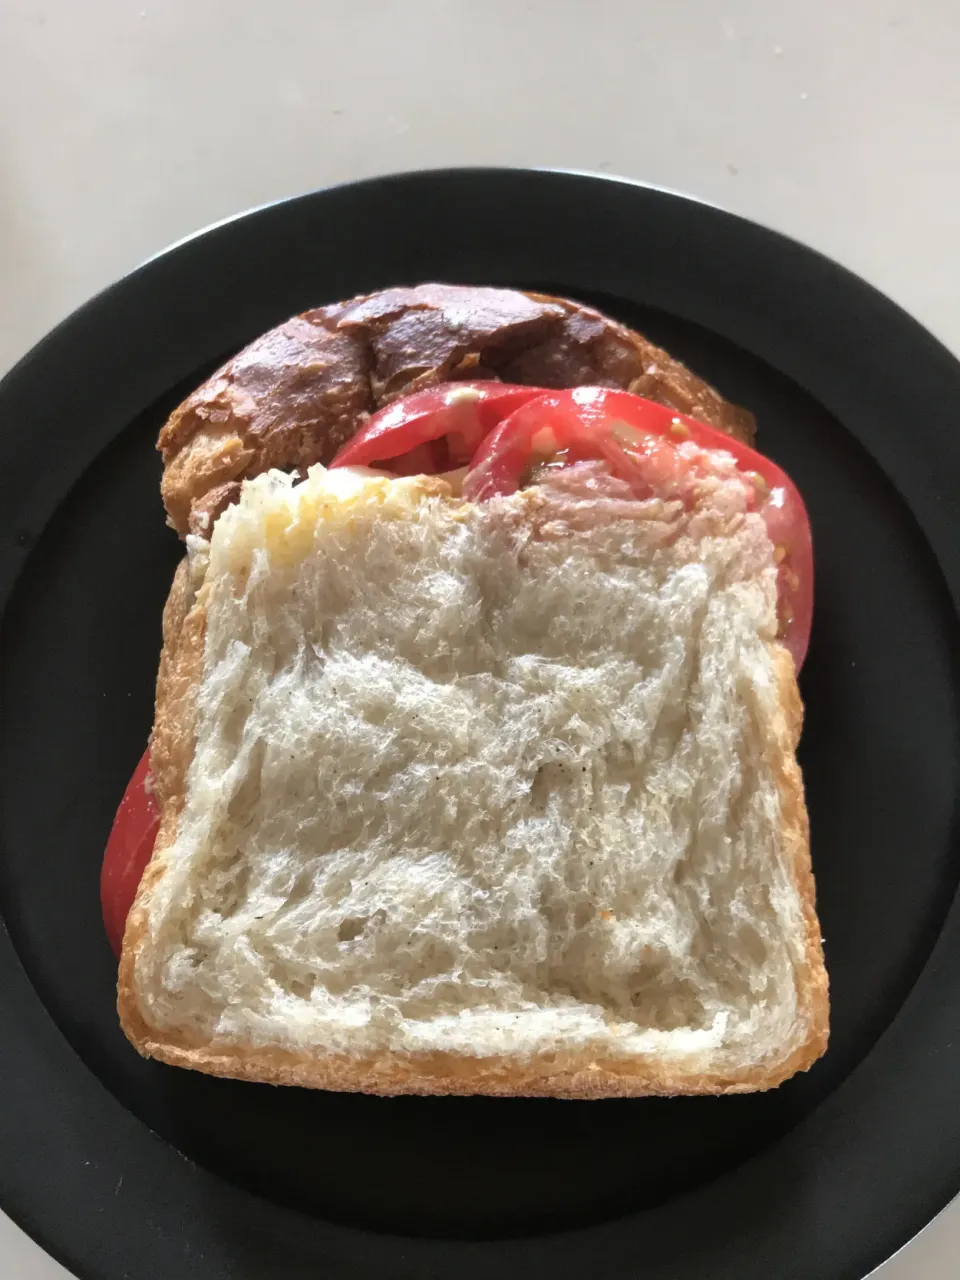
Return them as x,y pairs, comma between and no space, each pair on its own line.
463,798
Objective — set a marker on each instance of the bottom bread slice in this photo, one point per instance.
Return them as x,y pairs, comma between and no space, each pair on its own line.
462,798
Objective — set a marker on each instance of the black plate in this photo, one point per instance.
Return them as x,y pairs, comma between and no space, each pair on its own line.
125,1168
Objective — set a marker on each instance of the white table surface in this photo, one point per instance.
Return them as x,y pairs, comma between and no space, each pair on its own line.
125,124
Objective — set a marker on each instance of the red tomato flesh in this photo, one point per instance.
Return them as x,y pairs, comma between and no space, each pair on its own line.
659,453
434,430
128,851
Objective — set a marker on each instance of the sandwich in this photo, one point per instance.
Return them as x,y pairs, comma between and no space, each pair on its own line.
473,762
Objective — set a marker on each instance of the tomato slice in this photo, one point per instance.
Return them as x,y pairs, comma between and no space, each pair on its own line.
434,430
128,851
658,452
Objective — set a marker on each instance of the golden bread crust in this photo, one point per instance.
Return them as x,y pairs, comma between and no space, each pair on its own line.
296,394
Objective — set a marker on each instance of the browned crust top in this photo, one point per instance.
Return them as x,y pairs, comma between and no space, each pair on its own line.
296,394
